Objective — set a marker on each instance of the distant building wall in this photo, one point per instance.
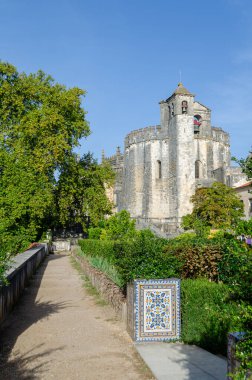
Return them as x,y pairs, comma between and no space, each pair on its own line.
245,193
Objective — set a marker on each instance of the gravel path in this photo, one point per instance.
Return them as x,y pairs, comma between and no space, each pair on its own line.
59,331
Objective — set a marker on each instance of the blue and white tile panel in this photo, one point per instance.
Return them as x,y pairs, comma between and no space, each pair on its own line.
157,310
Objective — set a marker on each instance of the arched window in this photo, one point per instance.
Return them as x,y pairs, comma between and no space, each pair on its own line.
198,169
184,106
159,169
197,120
169,109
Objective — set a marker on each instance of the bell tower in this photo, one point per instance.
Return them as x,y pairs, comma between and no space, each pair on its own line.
178,119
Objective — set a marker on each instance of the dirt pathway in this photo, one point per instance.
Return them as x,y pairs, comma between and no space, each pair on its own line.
59,331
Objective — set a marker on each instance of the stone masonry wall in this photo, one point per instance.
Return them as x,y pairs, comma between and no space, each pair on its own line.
185,164
22,268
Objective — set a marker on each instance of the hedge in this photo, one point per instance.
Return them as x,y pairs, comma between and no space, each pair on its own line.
207,314
210,304
97,248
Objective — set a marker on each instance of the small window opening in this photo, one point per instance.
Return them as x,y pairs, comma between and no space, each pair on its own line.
169,109
172,109
197,123
184,106
159,169
198,169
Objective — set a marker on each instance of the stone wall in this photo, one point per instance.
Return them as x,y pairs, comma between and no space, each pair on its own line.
61,244
236,176
106,287
245,194
23,266
114,193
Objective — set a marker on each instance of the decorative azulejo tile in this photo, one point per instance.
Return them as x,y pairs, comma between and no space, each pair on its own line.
156,309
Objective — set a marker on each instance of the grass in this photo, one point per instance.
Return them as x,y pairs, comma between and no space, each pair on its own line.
104,266
91,290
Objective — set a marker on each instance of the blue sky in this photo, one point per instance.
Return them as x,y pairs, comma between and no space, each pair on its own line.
128,54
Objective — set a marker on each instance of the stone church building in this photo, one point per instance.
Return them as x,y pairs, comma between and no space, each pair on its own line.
162,165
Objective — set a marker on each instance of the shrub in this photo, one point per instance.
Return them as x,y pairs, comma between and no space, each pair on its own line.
207,314
221,258
94,233
244,227
207,309
142,257
119,226
235,269
139,257
97,248
244,346
197,257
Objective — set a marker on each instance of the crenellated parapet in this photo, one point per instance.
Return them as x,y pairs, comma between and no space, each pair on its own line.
143,134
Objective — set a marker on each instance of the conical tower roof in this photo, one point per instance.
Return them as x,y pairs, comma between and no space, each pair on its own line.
181,90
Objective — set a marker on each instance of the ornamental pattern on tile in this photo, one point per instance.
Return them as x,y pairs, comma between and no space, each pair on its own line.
157,309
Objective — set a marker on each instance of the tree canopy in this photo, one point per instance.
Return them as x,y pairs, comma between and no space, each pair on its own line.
245,164
119,226
81,193
217,206
41,122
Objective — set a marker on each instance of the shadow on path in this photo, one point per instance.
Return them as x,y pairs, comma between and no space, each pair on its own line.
199,364
28,311
177,361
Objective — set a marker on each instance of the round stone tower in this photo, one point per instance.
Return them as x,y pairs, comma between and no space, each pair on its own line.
163,165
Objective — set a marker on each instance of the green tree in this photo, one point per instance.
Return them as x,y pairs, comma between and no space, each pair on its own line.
245,164
217,207
40,124
119,226
244,227
81,192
